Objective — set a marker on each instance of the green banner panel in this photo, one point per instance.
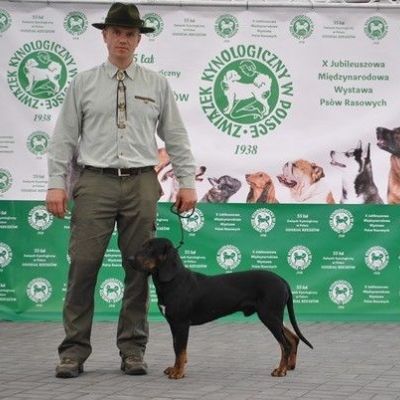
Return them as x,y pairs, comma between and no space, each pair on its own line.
343,263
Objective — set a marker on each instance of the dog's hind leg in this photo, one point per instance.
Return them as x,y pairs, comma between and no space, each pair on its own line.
294,341
275,324
180,335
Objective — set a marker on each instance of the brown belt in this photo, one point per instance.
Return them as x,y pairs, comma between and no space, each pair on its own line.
120,171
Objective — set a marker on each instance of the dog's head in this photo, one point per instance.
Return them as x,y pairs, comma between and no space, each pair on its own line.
258,180
157,257
226,185
231,76
389,140
353,160
31,63
300,173
262,188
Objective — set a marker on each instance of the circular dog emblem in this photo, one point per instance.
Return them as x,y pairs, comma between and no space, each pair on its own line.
75,23
340,292
38,142
301,27
376,28
40,72
39,218
341,221
228,257
39,290
263,220
5,20
376,258
112,290
192,222
246,90
226,26
5,255
153,20
299,258
5,180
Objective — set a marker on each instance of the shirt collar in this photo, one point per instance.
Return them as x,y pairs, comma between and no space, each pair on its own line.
111,69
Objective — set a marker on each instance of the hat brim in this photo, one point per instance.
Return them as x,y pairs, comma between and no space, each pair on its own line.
142,29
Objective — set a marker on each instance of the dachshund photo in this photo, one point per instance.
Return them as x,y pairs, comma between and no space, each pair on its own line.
262,188
188,298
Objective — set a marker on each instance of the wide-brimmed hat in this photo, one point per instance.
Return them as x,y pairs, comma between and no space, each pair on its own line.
125,15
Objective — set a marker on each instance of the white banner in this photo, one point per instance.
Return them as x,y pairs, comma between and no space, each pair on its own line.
270,96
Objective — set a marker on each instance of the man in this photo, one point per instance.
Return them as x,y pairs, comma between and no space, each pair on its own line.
110,116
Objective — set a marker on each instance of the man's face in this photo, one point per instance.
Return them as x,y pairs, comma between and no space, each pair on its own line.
121,42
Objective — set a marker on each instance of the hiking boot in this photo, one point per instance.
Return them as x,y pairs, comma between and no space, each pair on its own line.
134,365
68,368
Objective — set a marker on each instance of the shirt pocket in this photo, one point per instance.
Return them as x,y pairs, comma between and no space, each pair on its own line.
145,108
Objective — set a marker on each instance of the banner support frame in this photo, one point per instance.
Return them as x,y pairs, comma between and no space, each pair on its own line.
247,4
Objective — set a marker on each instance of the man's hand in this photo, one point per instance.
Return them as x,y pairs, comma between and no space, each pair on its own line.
186,200
56,202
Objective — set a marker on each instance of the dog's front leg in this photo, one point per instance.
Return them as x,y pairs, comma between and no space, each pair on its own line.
180,335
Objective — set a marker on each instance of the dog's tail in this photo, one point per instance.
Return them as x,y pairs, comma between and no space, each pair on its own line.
293,321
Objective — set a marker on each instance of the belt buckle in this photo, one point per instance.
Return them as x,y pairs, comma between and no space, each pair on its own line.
120,173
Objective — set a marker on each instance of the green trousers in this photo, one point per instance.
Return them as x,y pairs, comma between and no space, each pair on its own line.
102,202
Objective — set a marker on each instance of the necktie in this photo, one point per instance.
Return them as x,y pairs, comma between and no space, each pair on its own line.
121,100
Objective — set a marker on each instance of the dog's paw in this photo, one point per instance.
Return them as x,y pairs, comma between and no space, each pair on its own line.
174,373
278,372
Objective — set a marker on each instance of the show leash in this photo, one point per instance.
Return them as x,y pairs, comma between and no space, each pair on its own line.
180,217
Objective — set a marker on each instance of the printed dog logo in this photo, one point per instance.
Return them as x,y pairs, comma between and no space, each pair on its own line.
246,98
389,140
358,185
36,74
305,181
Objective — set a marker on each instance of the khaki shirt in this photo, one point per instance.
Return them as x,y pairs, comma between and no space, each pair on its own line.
87,121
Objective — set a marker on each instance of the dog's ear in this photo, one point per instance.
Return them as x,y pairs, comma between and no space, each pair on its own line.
271,194
213,181
368,156
317,173
167,270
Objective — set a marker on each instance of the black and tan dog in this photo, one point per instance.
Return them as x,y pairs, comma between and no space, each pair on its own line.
188,298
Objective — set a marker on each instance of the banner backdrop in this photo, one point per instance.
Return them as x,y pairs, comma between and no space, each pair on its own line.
292,109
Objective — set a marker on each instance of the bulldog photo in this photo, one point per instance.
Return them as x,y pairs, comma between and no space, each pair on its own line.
305,181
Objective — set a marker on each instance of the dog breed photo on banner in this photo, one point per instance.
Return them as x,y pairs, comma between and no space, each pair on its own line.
358,186
305,181
222,189
262,189
188,298
166,173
